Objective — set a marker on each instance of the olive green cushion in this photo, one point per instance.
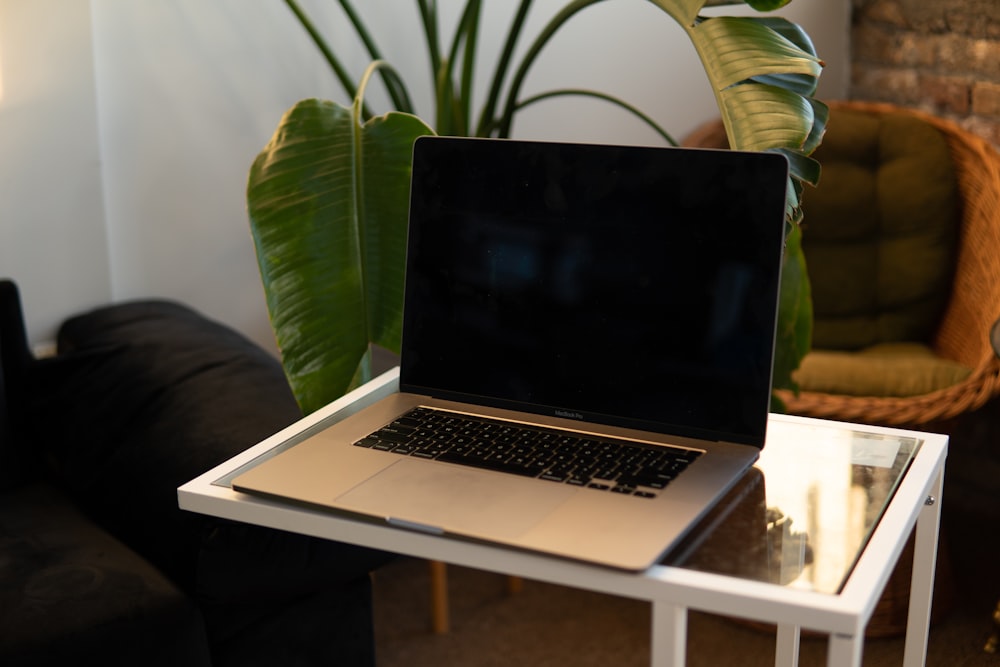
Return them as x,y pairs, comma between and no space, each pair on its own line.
888,369
879,233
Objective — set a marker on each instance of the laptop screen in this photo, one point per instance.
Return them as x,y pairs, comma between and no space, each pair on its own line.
632,286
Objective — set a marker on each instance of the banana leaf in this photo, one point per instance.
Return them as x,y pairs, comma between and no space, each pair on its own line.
327,204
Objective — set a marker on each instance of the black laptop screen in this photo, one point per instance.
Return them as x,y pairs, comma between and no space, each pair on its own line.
625,285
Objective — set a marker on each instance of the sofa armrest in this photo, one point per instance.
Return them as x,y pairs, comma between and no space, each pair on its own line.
142,397
145,396
17,463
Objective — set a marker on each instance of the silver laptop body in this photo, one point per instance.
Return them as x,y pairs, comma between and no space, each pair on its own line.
611,292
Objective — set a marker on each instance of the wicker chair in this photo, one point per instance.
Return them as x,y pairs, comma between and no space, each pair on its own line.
963,334
968,331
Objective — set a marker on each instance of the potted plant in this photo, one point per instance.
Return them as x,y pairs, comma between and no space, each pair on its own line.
327,197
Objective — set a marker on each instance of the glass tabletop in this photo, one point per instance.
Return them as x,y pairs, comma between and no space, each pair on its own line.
801,517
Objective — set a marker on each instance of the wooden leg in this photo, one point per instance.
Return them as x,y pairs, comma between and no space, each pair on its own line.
440,616
993,642
439,597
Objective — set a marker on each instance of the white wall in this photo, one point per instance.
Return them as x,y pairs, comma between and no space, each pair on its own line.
52,223
127,128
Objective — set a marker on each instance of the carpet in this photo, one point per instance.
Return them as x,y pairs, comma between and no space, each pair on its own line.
545,625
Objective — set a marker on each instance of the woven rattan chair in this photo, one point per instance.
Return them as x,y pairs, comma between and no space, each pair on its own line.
968,331
963,334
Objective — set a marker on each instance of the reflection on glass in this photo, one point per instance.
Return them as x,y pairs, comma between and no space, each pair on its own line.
803,515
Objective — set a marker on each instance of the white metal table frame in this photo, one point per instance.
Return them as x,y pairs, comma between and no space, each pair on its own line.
671,590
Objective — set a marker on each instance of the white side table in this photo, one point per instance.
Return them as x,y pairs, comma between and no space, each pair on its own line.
806,541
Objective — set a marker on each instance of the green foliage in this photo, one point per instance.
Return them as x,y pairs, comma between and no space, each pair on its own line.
327,197
325,205
795,316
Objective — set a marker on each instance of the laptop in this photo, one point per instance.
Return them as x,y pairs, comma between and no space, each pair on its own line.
612,306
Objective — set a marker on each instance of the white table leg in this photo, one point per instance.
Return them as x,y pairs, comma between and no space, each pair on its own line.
922,581
787,646
845,650
669,640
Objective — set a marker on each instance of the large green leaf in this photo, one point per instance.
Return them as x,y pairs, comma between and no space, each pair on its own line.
324,200
684,12
741,48
795,312
764,72
762,117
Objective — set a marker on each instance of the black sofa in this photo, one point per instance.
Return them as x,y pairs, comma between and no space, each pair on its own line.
97,563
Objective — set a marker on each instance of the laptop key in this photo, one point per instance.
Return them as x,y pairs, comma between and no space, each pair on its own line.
397,430
491,464
424,454
558,457
391,435
651,481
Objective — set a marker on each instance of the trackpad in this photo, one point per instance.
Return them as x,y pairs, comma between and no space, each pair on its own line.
455,499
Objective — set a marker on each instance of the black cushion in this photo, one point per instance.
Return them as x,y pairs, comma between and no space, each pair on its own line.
141,398
8,463
72,594
145,396
17,463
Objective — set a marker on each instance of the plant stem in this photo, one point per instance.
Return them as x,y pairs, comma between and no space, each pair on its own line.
428,17
394,86
471,32
486,117
601,96
338,69
453,116
506,119
385,71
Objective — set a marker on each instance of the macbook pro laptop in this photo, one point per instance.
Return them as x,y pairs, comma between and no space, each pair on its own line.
587,343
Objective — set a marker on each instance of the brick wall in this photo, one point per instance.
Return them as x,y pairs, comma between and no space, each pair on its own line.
941,56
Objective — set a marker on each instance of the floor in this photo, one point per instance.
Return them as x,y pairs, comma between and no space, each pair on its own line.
550,626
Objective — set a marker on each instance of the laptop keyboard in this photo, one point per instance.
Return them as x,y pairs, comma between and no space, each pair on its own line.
607,464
